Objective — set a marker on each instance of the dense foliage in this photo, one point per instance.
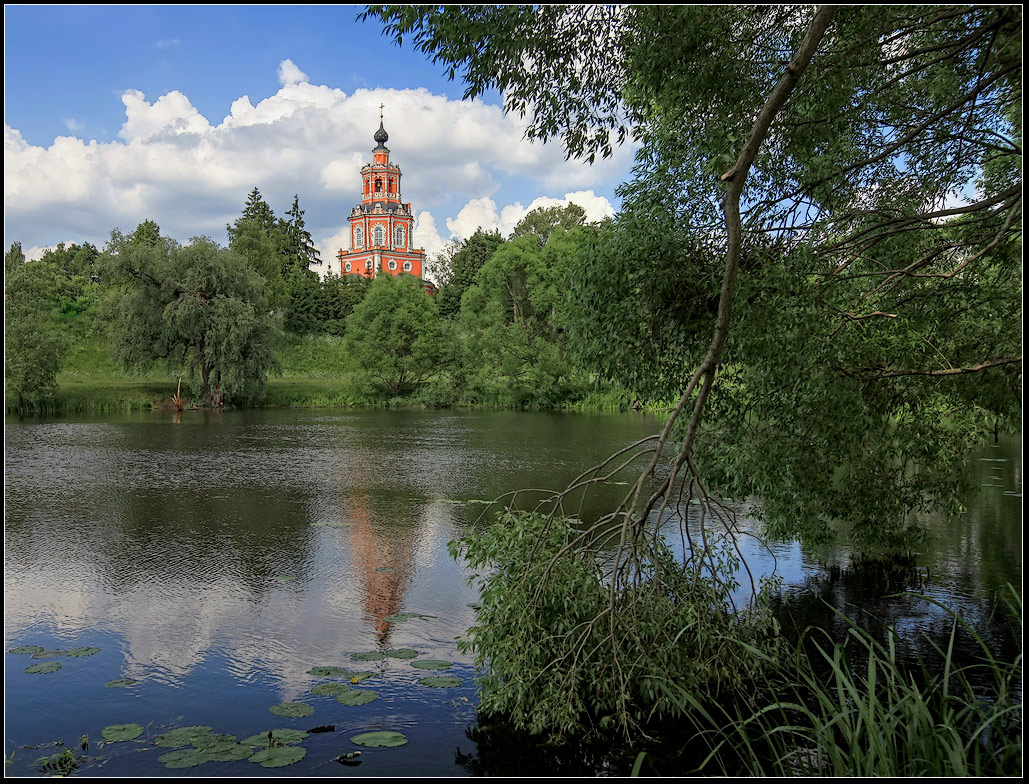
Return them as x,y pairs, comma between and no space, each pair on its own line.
818,255
196,308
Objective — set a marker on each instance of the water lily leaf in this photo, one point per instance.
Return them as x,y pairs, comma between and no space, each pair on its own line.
279,756
292,709
357,677
327,672
121,732
329,689
372,656
284,578
278,736
43,669
83,651
385,569
226,751
355,697
27,650
440,681
184,736
184,758
381,739
394,653
49,654
121,682
432,664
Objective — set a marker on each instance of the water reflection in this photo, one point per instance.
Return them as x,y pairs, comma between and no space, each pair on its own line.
217,558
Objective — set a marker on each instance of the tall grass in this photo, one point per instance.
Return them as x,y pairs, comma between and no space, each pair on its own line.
857,707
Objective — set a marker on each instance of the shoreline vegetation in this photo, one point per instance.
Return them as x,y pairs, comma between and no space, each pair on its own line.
313,376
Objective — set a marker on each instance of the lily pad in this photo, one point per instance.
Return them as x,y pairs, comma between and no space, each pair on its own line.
329,689
118,682
43,669
357,677
385,569
440,681
381,739
49,653
279,756
83,651
277,736
395,653
328,672
121,732
293,710
185,736
185,758
27,650
432,664
355,697
226,751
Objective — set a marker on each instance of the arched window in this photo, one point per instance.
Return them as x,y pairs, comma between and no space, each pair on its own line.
358,238
378,186
399,241
379,235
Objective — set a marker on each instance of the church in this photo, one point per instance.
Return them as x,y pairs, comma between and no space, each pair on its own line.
380,226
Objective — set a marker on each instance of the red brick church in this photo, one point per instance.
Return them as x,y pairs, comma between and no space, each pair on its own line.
380,226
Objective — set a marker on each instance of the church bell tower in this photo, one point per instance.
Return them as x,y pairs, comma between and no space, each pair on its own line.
380,226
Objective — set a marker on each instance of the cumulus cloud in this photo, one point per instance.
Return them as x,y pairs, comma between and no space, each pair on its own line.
290,74
192,174
483,213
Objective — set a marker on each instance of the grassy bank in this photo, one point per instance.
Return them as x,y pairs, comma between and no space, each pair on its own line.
313,375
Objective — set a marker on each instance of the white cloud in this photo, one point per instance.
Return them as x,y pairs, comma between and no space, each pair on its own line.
290,74
483,213
172,165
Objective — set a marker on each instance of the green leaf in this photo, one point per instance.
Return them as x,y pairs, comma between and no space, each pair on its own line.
380,739
83,651
328,672
184,758
355,697
277,736
329,689
184,736
119,682
43,669
121,732
27,650
279,756
292,709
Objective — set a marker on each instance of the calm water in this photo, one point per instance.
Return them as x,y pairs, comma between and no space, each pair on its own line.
217,558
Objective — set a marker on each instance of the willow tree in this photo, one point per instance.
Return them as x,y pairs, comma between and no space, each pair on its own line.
818,257
198,309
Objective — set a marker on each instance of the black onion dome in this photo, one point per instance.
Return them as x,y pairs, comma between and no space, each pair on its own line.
381,136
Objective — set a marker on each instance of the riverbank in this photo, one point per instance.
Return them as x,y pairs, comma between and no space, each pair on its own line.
314,374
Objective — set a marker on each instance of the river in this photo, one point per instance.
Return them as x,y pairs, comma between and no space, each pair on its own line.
217,559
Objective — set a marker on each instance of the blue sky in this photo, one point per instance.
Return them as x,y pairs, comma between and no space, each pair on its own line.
118,114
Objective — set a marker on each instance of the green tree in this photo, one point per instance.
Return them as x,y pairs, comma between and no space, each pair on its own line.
260,239
844,187
198,309
511,323
464,264
541,221
298,246
394,337
32,343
